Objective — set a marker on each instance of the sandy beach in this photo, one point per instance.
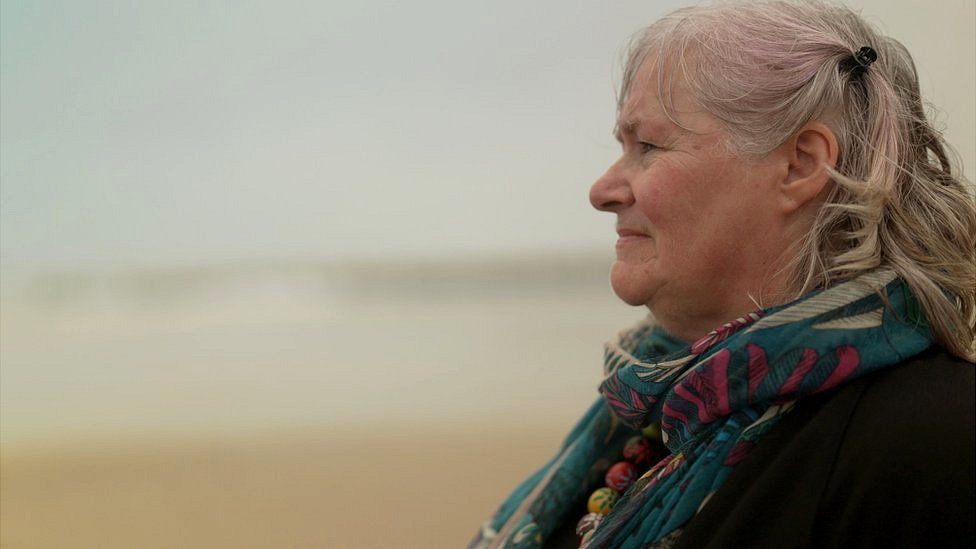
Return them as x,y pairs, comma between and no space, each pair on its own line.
388,405
382,487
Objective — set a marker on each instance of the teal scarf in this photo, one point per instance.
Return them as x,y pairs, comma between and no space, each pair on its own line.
714,400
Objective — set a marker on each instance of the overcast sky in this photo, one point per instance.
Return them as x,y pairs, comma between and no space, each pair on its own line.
161,132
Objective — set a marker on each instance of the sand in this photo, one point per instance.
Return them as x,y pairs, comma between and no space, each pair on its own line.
432,356
304,488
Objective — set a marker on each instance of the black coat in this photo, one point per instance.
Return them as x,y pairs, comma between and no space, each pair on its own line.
884,461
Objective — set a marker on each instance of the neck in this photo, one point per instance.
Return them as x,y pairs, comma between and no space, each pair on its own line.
689,324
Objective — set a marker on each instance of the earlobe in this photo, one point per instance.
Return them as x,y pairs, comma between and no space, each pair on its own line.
810,151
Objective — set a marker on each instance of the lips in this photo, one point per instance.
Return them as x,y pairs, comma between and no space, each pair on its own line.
622,233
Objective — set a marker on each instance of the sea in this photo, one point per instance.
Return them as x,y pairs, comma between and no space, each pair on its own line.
258,346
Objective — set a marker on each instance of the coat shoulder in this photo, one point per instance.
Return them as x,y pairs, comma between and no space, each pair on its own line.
904,471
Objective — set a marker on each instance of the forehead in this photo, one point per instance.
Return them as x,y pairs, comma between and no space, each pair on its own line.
642,102
658,97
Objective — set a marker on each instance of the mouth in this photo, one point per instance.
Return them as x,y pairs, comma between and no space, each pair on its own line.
628,233
630,237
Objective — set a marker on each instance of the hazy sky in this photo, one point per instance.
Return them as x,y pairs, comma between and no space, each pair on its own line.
157,132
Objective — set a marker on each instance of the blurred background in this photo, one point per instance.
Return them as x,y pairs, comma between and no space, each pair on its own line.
315,274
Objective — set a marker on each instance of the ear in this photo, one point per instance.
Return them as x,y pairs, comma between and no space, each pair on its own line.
809,152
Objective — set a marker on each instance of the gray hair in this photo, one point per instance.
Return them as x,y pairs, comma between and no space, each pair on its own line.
766,68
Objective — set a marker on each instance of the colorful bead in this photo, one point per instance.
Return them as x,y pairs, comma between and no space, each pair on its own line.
589,522
602,500
652,431
621,475
638,450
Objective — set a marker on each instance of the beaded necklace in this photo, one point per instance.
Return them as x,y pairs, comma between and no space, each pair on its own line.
639,452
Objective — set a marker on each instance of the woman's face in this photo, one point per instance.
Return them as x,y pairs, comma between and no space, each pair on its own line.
698,225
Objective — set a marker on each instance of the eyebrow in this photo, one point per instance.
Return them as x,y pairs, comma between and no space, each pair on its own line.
658,127
624,126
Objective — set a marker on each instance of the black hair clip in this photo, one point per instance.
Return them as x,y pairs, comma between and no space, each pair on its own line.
865,56
860,61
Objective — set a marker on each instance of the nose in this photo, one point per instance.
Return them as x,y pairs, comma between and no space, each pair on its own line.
611,192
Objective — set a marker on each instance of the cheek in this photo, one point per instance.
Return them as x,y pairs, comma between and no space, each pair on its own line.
667,197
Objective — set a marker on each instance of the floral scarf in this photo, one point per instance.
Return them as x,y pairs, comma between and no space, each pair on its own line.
714,400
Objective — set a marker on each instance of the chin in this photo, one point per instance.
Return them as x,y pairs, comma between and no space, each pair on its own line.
630,283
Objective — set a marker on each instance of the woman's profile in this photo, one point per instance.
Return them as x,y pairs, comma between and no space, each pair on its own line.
804,245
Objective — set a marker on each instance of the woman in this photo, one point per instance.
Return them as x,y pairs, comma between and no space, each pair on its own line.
793,224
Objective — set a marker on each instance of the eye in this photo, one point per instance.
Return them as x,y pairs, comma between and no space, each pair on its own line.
646,147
